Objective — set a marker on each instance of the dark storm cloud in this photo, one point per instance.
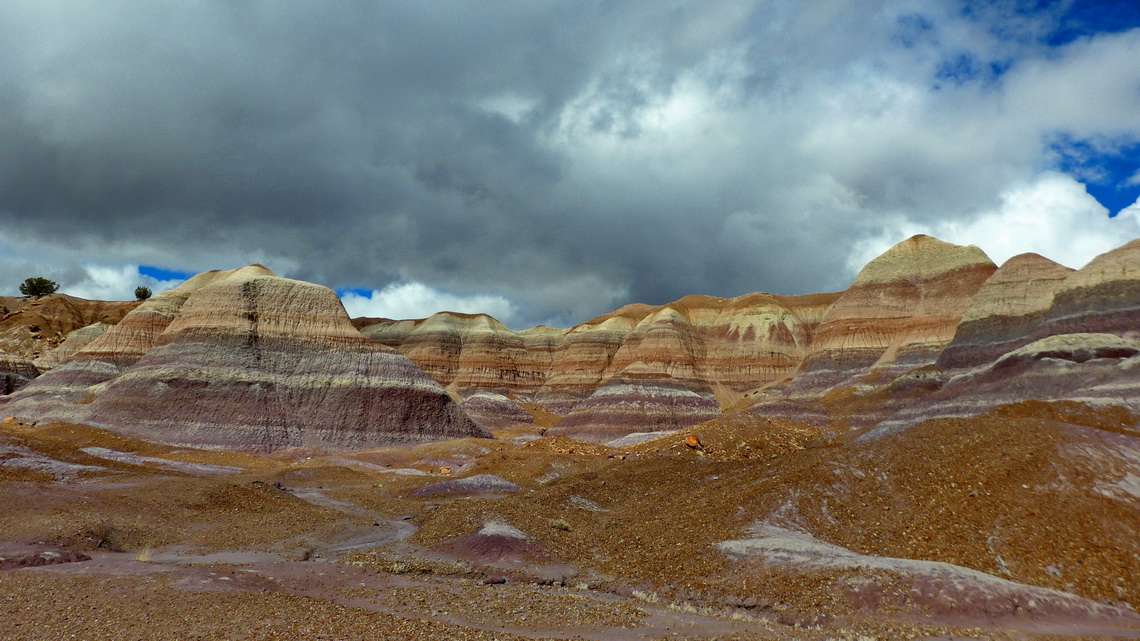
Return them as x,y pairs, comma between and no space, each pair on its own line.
566,157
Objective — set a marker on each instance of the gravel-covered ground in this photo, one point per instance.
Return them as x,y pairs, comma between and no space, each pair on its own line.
597,543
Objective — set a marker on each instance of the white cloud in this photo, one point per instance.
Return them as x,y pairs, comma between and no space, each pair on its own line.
652,150
416,300
1053,216
113,282
1132,211
1088,88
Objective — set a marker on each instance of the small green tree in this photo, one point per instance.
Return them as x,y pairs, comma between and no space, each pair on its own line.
38,286
142,293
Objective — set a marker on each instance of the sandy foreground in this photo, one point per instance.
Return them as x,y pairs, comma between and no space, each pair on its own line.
105,537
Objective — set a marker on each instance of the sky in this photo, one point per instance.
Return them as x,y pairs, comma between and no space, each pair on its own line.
546,162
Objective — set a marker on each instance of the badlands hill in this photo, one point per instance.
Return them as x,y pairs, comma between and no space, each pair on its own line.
639,368
924,315
928,329
243,359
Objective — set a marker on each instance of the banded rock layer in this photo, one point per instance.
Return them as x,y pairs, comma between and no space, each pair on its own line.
676,364
1084,347
628,405
1102,296
1005,312
901,311
248,360
493,411
915,318
467,352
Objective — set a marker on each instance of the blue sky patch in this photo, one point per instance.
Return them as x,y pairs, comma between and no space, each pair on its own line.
1052,22
1087,17
366,293
1108,170
159,273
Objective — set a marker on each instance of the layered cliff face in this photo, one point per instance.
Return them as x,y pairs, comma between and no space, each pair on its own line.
758,339
900,313
248,360
465,352
915,318
493,411
653,381
636,403
926,329
579,362
681,362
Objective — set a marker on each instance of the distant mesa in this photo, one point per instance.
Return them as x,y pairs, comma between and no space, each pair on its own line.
640,368
248,360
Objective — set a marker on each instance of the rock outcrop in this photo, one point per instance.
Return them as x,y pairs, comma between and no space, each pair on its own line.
247,360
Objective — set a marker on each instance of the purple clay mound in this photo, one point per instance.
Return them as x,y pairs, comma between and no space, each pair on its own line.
497,544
